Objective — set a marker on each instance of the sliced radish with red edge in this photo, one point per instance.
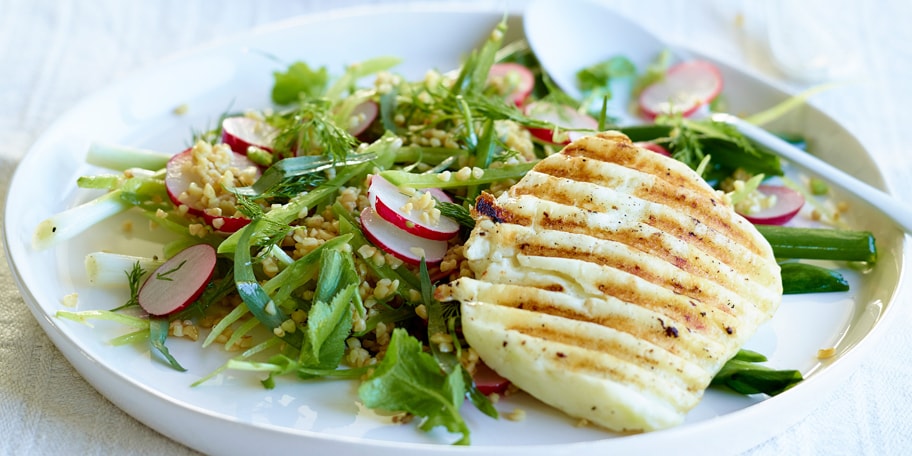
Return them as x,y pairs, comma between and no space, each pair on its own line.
788,203
178,282
655,147
686,87
393,240
562,116
225,224
517,78
242,132
488,381
363,116
388,202
179,174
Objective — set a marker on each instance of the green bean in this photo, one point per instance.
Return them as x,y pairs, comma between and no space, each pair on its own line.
800,278
820,243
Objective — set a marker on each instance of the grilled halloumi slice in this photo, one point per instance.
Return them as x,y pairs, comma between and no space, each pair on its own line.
613,283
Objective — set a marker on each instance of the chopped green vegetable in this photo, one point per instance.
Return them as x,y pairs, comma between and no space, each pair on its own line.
808,278
820,243
818,186
158,335
442,180
748,377
64,225
121,158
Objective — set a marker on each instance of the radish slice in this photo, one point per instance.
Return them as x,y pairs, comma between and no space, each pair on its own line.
225,224
407,247
788,203
686,87
180,175
241,132
362,117
514,77
657,148
388,202
179,281
562,116
487,381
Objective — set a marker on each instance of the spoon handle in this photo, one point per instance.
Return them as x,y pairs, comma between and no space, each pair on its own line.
894,209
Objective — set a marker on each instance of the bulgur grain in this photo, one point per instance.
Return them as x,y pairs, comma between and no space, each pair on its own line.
70,300
517,414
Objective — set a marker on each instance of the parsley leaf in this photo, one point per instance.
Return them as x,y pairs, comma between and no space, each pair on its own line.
597,77
409,380
298,79
328,325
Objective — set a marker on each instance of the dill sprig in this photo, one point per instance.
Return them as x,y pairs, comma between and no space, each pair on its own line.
134,280
457,212
311,130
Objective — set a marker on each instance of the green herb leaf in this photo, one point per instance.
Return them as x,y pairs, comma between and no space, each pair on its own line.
328,325
457,212
166,275
597,76
311,130
158,334
655,72
134,280
410,380
297,82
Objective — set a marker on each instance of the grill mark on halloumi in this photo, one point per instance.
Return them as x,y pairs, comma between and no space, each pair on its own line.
636,321
617,305
681,226
638,236
611,255
677,314
653,189
621,151
579,346
675,307
614,257
643,398
576,351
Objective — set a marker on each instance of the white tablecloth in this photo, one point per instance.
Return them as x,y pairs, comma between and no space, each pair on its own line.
55,52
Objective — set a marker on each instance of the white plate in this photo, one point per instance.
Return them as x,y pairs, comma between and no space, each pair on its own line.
234,414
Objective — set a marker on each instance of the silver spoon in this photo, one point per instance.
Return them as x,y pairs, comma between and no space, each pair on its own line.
569,36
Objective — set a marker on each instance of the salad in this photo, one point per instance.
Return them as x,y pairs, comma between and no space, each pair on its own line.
309,237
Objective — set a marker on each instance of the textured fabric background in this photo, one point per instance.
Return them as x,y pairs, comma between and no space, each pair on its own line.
55,52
